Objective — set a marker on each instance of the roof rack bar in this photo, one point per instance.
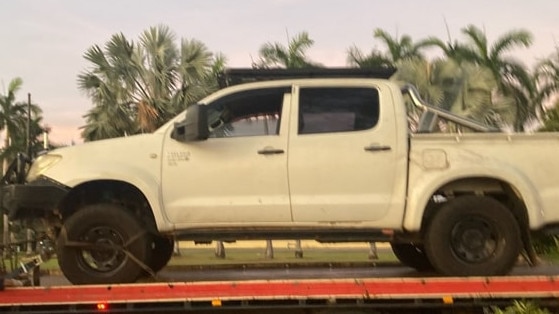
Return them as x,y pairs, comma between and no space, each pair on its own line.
236,76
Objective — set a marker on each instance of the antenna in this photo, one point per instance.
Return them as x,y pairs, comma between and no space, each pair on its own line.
28,130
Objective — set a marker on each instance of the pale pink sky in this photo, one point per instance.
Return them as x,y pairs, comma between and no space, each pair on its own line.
43,41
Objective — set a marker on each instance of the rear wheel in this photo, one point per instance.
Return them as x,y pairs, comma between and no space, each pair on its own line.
473,236
412,255
103,244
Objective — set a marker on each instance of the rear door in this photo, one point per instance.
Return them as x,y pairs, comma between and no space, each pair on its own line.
342,155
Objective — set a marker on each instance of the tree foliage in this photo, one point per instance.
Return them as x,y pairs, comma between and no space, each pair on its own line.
14,120
398,49
475,77
547,78
15,117
551,119
520,307
135,87
515,82
292,56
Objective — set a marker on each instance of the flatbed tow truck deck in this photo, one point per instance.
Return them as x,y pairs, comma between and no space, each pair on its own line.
377,295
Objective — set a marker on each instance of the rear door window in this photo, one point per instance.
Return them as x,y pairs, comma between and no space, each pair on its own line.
337,109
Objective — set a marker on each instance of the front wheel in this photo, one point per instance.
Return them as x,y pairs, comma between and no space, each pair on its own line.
473,236
103,244
162,252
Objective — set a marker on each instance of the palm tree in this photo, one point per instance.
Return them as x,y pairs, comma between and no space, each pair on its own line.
10,114
521,92
108,84
547,74
515,84
355,57
480,52
290,57
453,50
105,121
136,87
19,142
13,120
464,89
398,48
198,70
547,77
423,74
551,119
8,108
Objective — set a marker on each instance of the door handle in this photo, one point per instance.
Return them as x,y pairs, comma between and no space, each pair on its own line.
377,148
270,151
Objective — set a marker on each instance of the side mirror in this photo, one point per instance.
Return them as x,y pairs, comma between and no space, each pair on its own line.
194,127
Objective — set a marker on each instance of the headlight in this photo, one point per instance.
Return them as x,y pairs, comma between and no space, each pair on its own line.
41,164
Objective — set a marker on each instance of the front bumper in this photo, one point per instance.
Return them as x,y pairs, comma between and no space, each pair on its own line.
32,199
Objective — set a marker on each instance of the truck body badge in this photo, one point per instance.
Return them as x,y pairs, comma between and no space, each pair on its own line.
173,158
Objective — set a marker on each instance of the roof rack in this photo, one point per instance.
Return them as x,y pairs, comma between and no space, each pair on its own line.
237,76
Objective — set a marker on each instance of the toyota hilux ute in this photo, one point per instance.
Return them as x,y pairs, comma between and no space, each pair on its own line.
325,154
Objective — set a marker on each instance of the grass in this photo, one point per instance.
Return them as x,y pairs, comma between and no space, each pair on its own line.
552,257
199,256
242,256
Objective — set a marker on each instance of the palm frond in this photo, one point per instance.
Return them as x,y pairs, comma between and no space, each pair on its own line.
291,56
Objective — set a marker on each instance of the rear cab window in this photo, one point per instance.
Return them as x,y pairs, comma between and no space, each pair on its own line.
337,109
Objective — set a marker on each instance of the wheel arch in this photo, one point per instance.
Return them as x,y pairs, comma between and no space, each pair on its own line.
521,199
515,191
111,191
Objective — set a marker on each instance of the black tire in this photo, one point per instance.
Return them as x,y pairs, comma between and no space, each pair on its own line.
473,236
103,224
161,252
412,255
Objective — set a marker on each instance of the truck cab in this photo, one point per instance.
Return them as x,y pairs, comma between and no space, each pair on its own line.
302,153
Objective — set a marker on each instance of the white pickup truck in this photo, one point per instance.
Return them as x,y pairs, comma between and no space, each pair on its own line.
317,154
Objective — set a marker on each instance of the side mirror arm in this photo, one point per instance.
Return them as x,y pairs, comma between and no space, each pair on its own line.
194,127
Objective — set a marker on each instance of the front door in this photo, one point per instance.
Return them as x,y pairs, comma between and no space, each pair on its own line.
238,175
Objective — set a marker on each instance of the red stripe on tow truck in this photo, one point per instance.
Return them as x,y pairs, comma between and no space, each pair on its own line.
473,287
